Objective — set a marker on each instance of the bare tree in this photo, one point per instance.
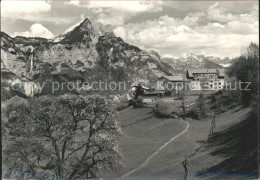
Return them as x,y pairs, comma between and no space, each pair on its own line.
202,107
186,165
213,124
69,136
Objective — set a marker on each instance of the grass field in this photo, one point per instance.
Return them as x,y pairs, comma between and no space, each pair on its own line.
144,133
167,165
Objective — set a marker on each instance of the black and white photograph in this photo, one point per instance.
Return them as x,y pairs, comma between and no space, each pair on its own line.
129,90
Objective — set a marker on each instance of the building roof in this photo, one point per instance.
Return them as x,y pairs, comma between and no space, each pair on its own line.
174,78
142,86
220,72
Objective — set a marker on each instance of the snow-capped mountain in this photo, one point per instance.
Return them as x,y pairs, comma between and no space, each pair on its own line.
78,31
191,60
191,56
63,35
36,30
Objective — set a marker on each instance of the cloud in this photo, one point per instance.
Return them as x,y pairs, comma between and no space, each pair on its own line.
121,32
191,19
218,25
198,33
18,9
176,27
238,27
127,6
213,6
73,2
220,14
170,56
115,20
117,12
34,11
36,30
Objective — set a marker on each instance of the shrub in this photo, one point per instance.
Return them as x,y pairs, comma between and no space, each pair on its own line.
168,109
193,113
225,100
138,103
122,105
200,110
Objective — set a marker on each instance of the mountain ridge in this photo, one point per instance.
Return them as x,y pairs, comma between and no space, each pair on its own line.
88,51
191,60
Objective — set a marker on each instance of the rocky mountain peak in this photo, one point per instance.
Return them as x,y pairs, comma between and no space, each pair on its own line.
85,30
85,26
81,31
189,54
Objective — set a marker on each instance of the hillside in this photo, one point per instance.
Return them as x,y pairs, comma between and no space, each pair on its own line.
225,154
144,133
233,148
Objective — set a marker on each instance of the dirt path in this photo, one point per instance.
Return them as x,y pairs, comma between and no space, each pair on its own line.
157,151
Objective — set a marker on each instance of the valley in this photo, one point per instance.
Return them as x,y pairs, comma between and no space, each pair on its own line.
143,131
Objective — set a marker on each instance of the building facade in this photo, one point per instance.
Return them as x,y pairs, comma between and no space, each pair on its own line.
206,79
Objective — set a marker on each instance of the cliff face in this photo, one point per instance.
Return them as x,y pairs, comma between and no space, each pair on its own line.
12,56
85,51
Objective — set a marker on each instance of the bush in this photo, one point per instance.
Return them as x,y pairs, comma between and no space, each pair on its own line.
225,100
168,109
201,109
138,103
193,113
122,105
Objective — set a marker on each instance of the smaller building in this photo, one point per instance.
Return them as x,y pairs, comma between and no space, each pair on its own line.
141,90
163,80
174,78
136,86
171,84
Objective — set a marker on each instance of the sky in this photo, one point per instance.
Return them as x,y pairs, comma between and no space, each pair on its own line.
172,28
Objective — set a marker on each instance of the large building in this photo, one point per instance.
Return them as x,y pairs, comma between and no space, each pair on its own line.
208,79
